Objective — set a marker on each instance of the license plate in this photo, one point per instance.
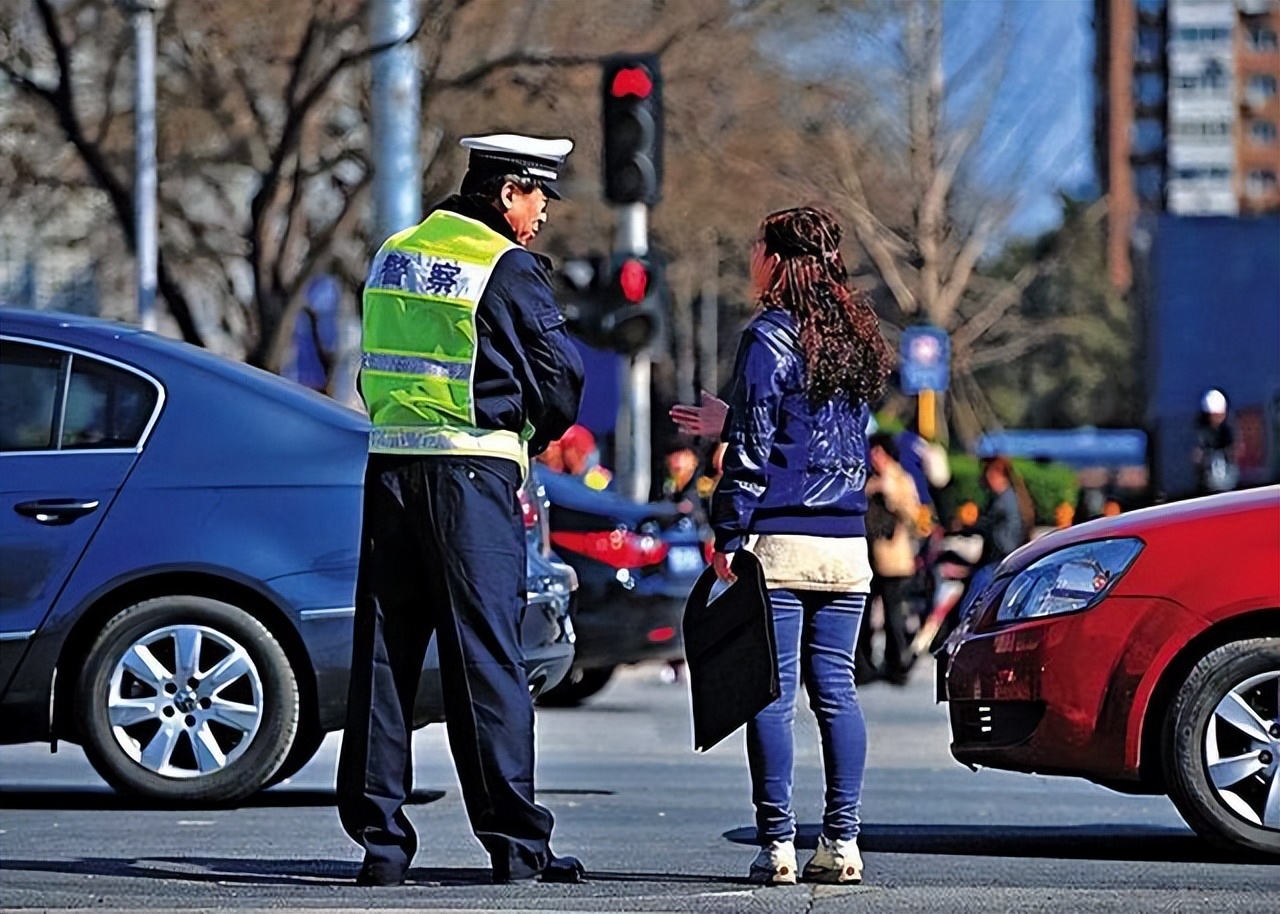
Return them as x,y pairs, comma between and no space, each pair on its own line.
685,560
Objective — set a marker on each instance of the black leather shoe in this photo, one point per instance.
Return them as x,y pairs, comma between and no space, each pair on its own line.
380,872
564,870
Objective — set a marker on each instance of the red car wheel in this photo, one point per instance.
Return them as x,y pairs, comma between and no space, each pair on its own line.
1222,746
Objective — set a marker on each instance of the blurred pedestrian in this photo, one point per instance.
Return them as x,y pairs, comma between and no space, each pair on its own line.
895,548
1007,521
793,493
581,458
467,369
1214,456
680,482
925,461
966,517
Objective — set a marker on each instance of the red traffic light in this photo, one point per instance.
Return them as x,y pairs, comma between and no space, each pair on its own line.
631,81
633,278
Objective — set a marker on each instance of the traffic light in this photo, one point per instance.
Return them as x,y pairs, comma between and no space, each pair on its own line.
613,302
633,304
632,107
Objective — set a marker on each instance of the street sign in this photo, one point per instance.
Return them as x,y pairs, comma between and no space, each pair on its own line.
924,359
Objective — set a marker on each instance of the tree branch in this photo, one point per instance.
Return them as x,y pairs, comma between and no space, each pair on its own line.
275,342
1029,338
482,71
967,334
882,245
291,133
61,101
953,287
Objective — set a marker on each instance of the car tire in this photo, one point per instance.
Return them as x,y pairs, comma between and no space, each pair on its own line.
1198,739
187,700
579,685
305,746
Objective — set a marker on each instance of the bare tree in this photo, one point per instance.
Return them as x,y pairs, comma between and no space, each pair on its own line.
263,146
256,103
926,245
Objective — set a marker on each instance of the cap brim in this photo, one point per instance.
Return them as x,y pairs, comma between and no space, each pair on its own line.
549,188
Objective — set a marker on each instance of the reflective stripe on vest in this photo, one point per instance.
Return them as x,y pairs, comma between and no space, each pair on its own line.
420,343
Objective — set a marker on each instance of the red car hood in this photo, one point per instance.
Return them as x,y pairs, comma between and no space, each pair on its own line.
1136,523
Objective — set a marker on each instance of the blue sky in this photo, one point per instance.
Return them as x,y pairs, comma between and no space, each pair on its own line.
1062,32
1039,129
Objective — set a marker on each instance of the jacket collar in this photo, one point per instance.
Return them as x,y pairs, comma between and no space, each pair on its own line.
482,212
780,320
476,209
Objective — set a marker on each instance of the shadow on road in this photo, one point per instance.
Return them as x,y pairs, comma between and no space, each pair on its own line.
202,869
239,871
105,798
1066,842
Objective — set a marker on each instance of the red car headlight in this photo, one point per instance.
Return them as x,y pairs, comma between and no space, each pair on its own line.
1069,580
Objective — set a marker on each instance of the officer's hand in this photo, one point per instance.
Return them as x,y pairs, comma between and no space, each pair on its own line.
721,561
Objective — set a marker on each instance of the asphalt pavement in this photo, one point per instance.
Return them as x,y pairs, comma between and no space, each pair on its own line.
661,828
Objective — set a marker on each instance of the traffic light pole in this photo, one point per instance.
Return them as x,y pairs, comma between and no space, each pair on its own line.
635,413
393,116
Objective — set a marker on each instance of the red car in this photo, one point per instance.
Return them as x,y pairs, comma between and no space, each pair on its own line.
1141,652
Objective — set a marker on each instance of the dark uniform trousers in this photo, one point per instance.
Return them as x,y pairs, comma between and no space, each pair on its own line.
443,550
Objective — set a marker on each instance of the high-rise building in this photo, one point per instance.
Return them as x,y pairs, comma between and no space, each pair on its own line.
1258,76
1187,112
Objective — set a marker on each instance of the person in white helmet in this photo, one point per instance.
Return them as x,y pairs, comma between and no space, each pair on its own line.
1214,455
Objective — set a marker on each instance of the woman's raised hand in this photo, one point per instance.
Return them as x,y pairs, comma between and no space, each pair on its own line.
707,419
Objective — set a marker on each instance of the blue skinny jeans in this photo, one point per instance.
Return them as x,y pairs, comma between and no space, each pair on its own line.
816,634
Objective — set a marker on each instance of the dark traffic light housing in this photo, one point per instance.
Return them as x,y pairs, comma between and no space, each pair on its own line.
632,108
614,302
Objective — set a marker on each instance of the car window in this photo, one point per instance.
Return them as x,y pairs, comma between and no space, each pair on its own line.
107,407
28,394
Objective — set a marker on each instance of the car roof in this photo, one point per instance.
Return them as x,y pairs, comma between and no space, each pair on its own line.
67,325
141,348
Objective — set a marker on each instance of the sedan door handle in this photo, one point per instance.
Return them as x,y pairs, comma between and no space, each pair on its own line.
56,511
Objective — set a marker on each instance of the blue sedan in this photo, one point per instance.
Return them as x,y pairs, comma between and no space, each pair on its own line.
179,538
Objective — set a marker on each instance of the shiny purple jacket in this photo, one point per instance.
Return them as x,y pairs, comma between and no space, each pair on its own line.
791,466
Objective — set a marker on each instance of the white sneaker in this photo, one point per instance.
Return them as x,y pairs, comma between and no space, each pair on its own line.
835,861
775,864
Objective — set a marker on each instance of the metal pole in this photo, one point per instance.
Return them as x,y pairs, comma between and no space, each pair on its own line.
634,446
394,110
633,230
143,13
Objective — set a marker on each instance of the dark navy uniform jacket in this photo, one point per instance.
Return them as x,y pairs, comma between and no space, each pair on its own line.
527,368
791,466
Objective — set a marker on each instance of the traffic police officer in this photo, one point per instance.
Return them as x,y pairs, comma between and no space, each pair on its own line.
467,369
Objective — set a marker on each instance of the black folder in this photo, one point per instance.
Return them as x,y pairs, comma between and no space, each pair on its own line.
730,650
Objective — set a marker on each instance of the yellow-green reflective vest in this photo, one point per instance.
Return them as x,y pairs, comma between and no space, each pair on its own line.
418,368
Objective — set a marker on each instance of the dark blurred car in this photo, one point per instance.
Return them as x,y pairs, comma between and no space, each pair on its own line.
179,537
1141,652
636,564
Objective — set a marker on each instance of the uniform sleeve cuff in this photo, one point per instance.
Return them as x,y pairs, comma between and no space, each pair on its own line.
728,542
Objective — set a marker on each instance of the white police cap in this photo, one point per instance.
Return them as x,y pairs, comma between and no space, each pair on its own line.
522,156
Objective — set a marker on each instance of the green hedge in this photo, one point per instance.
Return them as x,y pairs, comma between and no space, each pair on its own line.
1050,484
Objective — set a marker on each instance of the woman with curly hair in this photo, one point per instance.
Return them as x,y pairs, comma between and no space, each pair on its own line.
792,493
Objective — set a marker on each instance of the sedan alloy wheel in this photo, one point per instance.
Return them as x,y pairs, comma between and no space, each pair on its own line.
1220,746
187,700
191,713
1242,750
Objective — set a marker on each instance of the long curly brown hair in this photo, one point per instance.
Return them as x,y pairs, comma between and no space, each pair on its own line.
839,332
